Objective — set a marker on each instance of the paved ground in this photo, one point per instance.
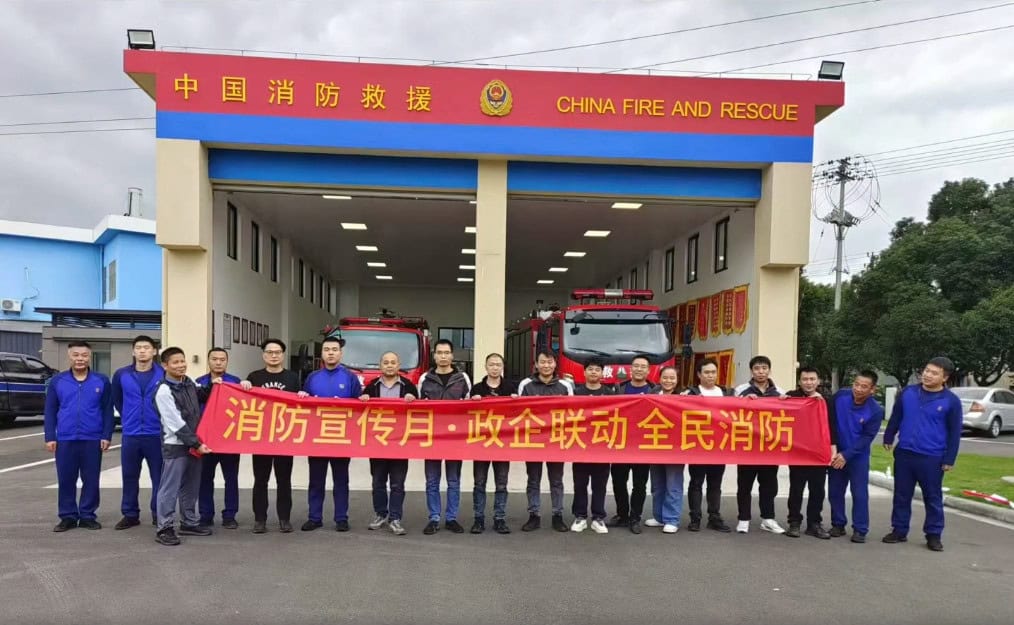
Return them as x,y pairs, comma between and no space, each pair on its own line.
235,577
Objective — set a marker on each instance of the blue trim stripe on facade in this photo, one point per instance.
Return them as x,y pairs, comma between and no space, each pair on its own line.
501,141
341,170
634,181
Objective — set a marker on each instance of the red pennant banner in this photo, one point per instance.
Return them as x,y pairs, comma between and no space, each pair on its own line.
728,303
649,429
716,315
741,312
703,317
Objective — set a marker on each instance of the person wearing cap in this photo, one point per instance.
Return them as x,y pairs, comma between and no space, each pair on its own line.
927,419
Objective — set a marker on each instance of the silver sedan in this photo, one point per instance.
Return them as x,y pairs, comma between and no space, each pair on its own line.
987,410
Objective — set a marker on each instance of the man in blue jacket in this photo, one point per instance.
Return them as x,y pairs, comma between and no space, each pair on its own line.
927,419
218,362
333,380
858,417
134,389
78,427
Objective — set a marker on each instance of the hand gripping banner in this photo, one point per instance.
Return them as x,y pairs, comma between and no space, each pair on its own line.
648,429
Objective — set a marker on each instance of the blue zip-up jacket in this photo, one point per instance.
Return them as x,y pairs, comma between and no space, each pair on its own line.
926,423
136,404
78,411
857,425
205,382
337,382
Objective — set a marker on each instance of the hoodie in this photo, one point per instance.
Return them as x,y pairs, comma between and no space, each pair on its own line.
535,387
458,385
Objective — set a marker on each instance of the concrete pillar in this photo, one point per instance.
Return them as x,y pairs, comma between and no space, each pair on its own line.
184,229
490,260
781,247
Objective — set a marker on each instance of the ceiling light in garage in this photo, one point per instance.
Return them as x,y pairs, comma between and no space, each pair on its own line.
544,282
337,197
385,278
469,229
557,269
630,206
467,267
597,233
575,254
366,248
350,226
466,279
472,202
466,250
376,264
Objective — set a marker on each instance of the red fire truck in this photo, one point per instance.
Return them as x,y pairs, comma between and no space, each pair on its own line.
612,325
367,338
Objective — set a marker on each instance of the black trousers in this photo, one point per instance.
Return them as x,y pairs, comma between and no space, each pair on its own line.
813,479
598,475
767,479
699,474
262,466
632,505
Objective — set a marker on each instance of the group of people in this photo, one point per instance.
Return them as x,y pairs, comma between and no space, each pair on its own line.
160,408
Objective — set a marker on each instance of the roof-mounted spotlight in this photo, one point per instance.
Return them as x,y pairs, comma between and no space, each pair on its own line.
140,39
831,70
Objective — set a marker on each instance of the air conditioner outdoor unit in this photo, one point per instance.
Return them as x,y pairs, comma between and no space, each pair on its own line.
10,305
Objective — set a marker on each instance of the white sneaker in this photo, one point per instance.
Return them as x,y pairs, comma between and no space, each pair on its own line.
579,525
670,529
743,527
771,525
396,528
599,527
377,523
652,523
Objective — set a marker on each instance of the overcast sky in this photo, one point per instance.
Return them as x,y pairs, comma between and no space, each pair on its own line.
896,97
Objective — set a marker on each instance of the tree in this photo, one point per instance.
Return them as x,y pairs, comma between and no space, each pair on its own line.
959,199
987,337
903,226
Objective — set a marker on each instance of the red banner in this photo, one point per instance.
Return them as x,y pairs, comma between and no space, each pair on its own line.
649,429
727,307
741,312
716,315
703,317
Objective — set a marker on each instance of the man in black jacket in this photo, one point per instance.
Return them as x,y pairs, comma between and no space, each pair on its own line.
543,383
389,508
444,381
812,478
595,472
493,385
630,506
707,386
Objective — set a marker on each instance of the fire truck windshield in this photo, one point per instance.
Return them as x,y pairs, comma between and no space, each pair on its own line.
620,334
363,348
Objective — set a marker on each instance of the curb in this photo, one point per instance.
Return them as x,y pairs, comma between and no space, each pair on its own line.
1005,515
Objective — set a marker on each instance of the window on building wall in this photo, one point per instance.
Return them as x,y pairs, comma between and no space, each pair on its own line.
647,269
320,293
313,280
633,278
232,233
670,268
328,308
274,259
692,244
255,246
301,279
619,282
722,245
463,338
109,282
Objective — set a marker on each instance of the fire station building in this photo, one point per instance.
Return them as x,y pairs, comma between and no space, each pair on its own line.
292,192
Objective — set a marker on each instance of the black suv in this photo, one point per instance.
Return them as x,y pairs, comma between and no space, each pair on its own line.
22,386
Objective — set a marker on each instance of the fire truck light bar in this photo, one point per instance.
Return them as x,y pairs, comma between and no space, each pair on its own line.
612,294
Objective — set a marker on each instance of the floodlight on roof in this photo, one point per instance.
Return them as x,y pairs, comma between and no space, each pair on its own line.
140,39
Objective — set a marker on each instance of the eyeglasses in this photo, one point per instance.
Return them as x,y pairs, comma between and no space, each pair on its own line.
274,352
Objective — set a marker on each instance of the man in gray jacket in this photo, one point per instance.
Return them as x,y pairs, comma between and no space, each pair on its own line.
178,401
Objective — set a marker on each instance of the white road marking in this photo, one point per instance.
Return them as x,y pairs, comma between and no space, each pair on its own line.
14,438
973,440
39,463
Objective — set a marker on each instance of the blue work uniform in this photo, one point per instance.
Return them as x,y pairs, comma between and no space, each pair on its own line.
337,382
134,398
857,427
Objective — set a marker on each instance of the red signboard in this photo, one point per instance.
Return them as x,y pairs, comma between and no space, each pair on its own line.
626,428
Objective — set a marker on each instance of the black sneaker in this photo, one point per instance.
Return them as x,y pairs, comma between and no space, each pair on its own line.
694,525
65,524
206,522
858,538
933,543
793,531
817,531
558,523
229,524
500,526
837,531
194,530
309,526
719,526
89,524
260,527
635,526
894,537
285,526
126,522
455,527
618,521
342,526
167,537
431,528
534,523
478,527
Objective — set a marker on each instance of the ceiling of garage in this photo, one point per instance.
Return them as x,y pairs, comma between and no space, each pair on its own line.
421,240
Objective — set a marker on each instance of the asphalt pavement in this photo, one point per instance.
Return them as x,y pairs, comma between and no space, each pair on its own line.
234,576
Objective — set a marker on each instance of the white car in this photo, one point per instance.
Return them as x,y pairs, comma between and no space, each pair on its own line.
987,410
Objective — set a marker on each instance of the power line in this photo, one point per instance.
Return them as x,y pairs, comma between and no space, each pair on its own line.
67,132
867,49
1009,155
924,145
947,158
80,121
946,151
656,35
76,91
813,38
